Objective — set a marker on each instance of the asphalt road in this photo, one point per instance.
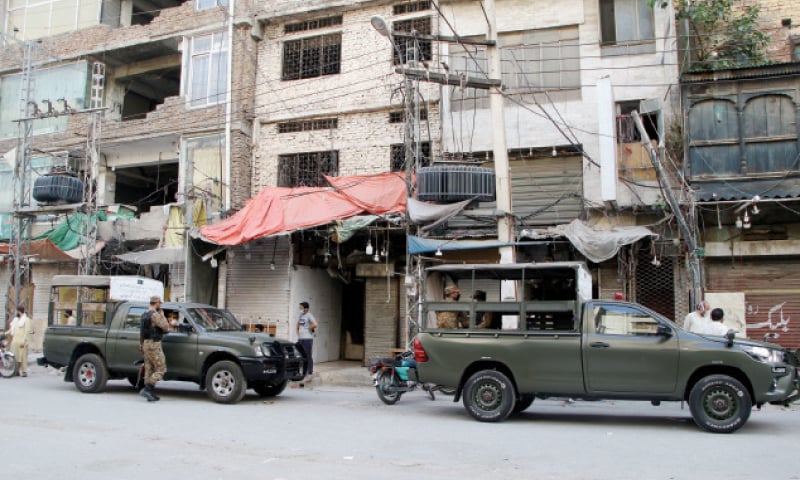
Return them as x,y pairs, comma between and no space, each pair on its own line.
51,431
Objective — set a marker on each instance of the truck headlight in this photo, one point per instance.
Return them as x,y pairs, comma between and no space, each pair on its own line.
264,350
763,354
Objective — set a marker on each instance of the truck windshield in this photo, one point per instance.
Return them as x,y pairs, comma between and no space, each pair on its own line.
214,319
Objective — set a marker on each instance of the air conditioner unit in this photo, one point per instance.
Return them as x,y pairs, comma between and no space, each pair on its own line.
454,183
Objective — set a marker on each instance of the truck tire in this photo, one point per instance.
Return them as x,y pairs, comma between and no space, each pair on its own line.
720,404
270,390
90,373
489,396
225,382
523,402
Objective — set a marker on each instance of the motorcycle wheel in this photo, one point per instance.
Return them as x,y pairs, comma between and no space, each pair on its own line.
387,397
8,365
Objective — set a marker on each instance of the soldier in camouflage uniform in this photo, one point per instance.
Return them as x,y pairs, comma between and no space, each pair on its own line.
451,320
153,328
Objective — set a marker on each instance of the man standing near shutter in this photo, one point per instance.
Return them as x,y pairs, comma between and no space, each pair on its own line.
306,326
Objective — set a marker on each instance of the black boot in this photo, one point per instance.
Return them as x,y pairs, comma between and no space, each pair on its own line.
153,392
147,392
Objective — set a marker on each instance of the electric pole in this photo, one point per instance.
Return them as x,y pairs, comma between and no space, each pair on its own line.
686,229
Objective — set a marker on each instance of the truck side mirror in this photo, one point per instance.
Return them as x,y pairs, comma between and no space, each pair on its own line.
663,330
185,327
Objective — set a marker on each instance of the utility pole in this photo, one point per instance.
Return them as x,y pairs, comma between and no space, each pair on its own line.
686,229
22,188
505,225
87,263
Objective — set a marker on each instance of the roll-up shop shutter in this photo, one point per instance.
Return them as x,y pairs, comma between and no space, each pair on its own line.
255,292
772,294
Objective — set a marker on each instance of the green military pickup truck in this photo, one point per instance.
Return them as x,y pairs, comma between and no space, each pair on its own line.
94,333
539,334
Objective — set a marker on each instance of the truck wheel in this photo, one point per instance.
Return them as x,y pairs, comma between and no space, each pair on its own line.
225,382
489,396
382,387
523,402
720,404
90,374
270,390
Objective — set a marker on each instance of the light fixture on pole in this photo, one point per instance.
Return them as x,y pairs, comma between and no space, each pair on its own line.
739,222
746,220
438,252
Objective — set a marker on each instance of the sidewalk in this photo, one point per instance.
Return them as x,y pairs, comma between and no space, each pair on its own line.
341,373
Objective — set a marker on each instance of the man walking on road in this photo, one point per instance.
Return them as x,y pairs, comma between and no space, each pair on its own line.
153,328
306,326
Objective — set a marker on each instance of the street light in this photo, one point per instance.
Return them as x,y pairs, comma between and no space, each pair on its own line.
379,24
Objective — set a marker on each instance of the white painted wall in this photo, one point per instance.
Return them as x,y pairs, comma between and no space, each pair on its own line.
313,285
633,77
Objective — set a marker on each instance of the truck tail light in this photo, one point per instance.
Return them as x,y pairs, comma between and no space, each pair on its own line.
419,352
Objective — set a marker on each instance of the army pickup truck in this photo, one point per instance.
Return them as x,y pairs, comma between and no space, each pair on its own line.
539,334
94,333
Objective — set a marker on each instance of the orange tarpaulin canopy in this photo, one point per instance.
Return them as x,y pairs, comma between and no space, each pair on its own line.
279,210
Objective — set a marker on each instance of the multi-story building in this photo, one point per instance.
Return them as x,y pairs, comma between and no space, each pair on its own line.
169,87
742,157
572,74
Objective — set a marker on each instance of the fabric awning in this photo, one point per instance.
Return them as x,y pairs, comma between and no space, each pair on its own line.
44,250
596,244
156,256
278,210
417,245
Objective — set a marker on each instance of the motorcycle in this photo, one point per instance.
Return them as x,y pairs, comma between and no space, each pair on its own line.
8,362
390,376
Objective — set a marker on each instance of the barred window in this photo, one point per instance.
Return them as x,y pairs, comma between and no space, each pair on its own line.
307,125
410,7
312,57
398,154
313,24
307,169
399,116
422,26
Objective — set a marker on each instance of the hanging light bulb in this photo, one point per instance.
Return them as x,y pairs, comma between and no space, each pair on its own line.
438,252
746,220
376,258
554,152
656,262
755,209
272,265
739,222
369,249
213,262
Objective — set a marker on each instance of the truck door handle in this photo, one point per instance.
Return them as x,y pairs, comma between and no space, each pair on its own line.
599,345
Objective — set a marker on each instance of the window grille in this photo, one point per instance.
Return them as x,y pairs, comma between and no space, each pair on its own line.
307,169
312,57
625,21
314,24
422,26
411,7
655,283
399,116
307,125
398,156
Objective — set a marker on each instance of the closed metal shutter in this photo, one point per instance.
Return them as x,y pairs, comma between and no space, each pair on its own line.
547,191
42,279
255,292
771,290
382,314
